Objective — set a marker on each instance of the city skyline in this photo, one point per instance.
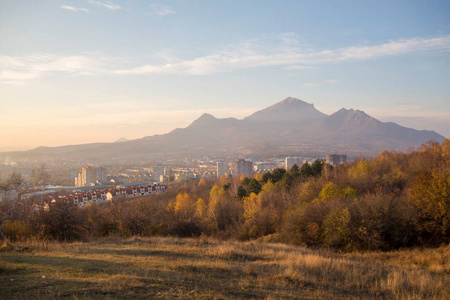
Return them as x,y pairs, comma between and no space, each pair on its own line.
76,72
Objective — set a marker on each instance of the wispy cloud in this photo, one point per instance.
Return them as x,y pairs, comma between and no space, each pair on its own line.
75,9
18,69
244,57
108,5
161,10
249,54
310,84
314,84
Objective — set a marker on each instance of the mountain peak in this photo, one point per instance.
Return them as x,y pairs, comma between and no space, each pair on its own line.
206,116
204,120
288,110
349,117
352,113
291,101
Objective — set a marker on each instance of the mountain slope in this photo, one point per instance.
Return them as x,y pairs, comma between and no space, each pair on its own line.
291,125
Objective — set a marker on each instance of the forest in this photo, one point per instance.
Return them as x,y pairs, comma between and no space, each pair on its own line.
392,201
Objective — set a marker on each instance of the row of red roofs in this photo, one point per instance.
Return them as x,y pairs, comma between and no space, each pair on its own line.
83,198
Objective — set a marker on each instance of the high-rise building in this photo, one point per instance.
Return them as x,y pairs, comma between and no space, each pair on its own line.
90,175
222,168
242,167
167,171
157,172
79,180
336,159
161,170
291,161
101,174
164,178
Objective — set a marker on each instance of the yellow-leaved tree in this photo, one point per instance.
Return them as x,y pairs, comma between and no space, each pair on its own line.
185,207
224,211
430,193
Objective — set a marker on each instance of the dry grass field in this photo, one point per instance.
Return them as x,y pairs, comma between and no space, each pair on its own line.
203,268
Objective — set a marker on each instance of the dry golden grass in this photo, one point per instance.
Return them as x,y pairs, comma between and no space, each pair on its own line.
209,269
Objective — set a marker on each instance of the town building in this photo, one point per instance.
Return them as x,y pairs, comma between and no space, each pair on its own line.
164,178
242,167
336,159
222,169
265,166
159,171
290,161
83,198
90,175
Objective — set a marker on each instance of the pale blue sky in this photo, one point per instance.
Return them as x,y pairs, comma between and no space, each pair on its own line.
80,71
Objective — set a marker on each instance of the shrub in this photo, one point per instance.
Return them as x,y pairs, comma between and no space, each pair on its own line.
336,228
185,229
17,230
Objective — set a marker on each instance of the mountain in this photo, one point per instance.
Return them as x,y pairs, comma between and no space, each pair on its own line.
288,110
354,129
289,126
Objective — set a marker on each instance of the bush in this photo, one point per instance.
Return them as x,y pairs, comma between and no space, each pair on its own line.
185,229
336,228
17,230
62,221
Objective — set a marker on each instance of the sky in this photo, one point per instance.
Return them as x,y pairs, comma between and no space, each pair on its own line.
83,71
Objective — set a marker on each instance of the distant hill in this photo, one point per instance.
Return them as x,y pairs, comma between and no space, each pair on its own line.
122,139
289,126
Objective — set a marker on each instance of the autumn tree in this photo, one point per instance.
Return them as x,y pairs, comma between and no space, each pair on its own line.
8,209
61,222
224,211
185,207
202,183
430,193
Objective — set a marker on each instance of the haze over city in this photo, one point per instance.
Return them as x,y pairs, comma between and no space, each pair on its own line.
76,71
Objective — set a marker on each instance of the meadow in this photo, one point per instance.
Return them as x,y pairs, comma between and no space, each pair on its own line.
206,268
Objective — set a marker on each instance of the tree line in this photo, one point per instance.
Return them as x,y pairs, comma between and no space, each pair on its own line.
394,200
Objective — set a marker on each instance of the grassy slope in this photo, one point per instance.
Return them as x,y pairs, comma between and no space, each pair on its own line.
205,268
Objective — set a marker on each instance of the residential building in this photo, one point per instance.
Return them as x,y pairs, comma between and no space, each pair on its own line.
289,162
83,198
160,170
101,174
242,167
164,178
222,168
336,159
90,175
265,166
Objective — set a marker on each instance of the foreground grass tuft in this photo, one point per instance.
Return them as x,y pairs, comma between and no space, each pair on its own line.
209,269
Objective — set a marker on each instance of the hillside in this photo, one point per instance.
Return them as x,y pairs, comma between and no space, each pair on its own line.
168,268
385,204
